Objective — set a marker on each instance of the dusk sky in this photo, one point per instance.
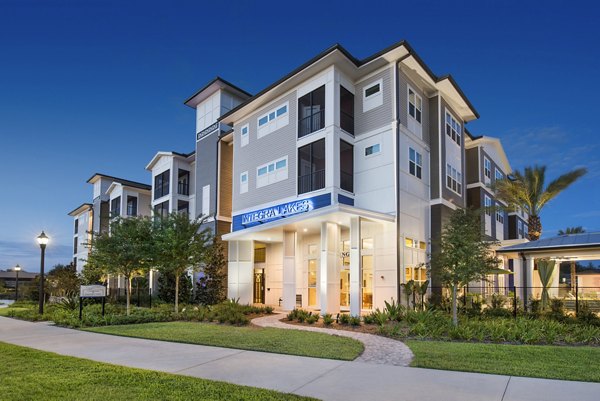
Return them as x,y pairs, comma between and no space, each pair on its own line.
98,86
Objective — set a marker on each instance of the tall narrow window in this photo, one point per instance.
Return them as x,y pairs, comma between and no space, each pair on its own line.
346,110
132,206
453,128
415,105
311,112
499,175
311,167
161,184
183,182
487,201
415,163
245,135
487,168
346,166
162,209
244,182
115,207
76,228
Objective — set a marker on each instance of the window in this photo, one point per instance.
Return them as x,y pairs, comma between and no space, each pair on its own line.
499,175
487,202
183,182
183,207
416,244
453,179
346,166
525,230
500,216
244,182
272,172
161,184
372,96
520,226
245,134
162,209
312,282
132,205
205,200
415,163
346,110
418,273
76,228
75,245
487,168
311,167
415,105
115,207
453,128
311,112
272,120
373,149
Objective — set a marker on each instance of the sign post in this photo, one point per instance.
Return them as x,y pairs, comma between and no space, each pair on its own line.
91,291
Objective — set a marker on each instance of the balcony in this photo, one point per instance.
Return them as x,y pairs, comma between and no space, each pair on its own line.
183,188
311,123
347,181
347,122
311,182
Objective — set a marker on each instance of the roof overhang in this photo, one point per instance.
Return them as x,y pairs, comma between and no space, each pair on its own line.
115,185
213,86
493,142
84,207
337,55
134,184
188,157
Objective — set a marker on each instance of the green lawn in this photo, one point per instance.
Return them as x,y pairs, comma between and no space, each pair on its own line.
281,341
28,374
546,361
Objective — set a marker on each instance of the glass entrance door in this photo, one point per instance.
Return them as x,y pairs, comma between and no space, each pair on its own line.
345,276
312,282
259,286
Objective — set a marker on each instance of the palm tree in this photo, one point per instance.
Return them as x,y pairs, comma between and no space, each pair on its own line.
527,191
567,231
572,230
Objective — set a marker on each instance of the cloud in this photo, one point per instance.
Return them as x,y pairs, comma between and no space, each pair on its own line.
27,255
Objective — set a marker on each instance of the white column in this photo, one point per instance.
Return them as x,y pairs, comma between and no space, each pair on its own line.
355,266
554,282
329,289
289,270
529,279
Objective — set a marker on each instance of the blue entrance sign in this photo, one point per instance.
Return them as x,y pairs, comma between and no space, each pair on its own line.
276,212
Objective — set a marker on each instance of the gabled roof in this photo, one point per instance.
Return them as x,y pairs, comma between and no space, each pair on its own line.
443,83
213,86
190,157
115,184
472,142
123,181
585,240
80,209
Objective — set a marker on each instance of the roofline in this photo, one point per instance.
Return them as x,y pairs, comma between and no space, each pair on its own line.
546,248
216,79
88,205
357,63
120,180
161,153
114,184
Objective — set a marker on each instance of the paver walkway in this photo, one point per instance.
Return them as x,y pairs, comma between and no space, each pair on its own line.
320,378
378,350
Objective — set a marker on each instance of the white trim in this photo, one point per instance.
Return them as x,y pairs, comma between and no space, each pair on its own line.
244,185
272,176
274,121
442,201
373,153
244,138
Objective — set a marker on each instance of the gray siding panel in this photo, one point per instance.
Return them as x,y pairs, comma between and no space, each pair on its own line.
257,152
379,116
473,165
447,193
434,140
206,171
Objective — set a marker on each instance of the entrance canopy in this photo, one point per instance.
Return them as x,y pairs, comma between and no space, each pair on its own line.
584,246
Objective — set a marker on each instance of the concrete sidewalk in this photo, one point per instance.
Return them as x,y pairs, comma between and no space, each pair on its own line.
319,378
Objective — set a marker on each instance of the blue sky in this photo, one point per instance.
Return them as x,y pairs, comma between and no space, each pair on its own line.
98,86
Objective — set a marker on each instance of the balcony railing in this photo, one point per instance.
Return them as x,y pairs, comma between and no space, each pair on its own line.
183,188
347,122
311,123
311,182
347,181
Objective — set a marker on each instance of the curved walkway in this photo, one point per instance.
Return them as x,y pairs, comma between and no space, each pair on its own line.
378,350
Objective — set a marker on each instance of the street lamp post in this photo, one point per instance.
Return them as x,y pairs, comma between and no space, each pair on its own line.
42,239
17,269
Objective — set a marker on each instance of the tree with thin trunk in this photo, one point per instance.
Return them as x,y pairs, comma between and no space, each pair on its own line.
125,250
569,231
464,255
180,246
528,192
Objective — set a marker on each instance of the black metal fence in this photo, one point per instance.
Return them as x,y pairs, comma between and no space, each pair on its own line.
517,299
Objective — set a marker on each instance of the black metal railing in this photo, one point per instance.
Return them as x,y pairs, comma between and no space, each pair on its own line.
161,191
347,122
183,188
311,182
347,181
311,123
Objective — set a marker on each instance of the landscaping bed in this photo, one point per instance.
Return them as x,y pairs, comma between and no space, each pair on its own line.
281,341
29,374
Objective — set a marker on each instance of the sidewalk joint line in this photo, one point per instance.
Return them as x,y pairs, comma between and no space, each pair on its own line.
212,360
506,388
318,377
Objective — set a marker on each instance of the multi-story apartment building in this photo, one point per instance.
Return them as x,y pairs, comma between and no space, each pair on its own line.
112,197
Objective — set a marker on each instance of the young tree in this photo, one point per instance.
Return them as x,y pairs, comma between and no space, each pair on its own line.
180,245
463,255
166,287
211,287
528,192
125,250
63,281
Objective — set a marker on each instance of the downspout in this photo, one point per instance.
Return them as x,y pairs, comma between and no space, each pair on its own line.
397,167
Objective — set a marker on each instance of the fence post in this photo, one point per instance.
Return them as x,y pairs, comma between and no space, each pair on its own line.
515,302
576,298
